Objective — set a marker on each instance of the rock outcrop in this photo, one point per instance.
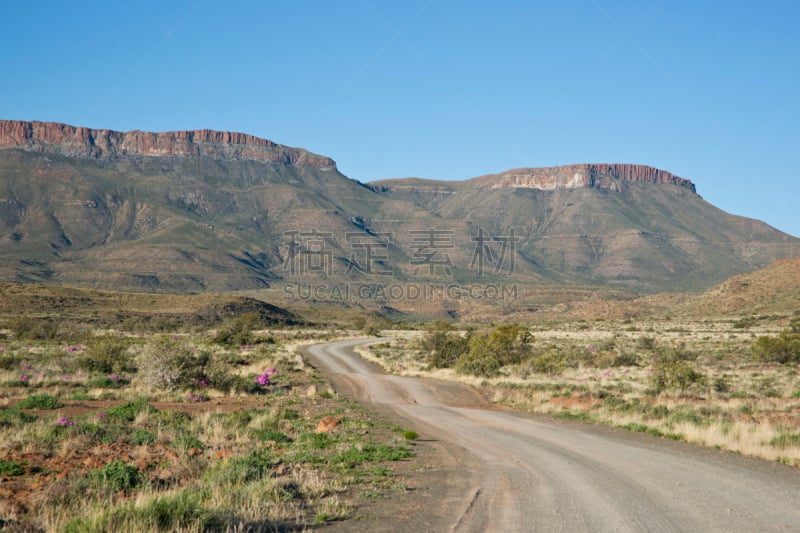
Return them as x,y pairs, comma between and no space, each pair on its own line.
601,176
98,144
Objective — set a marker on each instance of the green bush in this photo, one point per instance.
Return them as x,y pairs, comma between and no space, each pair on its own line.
143,437
626,359
254,466
127,412
11,468
33,329
106,355
169,364
489,351
117,476
548,361
475,364
12,416
238,331
10,361
721,384
785,348
447,348
40,401
679,375
646,343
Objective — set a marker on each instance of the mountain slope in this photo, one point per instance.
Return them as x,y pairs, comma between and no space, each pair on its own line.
625,225
770,290
203,210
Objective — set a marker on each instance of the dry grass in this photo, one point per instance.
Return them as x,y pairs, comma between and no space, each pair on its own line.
742,405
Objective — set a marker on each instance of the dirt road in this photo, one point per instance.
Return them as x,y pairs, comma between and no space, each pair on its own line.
509,471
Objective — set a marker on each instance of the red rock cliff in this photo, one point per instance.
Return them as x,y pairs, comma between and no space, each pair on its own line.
602,176
50,137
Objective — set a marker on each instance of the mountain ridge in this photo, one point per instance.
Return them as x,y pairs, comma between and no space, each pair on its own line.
581,175
104,144
219,211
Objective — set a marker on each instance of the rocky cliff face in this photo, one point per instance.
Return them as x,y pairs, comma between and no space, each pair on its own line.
601,176
71,141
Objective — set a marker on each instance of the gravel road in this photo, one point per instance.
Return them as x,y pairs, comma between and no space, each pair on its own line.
510,471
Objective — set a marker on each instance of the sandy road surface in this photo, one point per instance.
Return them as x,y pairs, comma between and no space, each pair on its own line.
515,472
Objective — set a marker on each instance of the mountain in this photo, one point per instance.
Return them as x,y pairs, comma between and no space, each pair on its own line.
774,289
625,225
195,211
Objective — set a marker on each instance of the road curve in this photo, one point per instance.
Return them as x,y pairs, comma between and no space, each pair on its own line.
526,473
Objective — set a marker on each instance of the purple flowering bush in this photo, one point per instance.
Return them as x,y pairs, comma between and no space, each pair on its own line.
264,378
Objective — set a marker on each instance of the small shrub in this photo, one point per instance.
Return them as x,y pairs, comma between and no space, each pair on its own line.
238,331
40,401
549,361
267,435
674,375
117,476
143,437
646,343
113,381
721,384
11,468
10,361
169,364
447,348
30,328
744,322
410,435
127,412
254,466
687,414
12,416
106,355
360,454
478,364
187,442
625,359
782,349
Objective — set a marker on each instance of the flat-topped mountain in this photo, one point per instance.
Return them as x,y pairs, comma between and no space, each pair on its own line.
601,176
79,142
206,210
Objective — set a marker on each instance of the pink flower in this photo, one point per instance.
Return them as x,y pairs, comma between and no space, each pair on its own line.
26,367
101,415
114,377
24,377
192,397
65,422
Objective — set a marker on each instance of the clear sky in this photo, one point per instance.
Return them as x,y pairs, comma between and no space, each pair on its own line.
439,89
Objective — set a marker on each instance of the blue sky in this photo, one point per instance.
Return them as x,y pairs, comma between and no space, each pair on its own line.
438,88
